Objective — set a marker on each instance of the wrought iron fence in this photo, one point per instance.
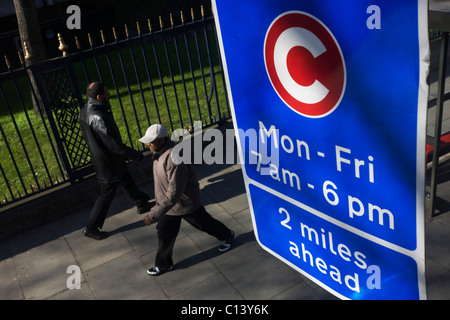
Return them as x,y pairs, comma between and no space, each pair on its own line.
170,74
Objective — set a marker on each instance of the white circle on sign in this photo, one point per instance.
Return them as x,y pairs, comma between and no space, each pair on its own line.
305,64
289,39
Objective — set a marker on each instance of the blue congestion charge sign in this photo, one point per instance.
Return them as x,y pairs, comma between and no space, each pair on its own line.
329,106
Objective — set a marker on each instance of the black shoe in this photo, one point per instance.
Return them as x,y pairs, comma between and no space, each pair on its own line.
155,271
145,207
226,244
95,234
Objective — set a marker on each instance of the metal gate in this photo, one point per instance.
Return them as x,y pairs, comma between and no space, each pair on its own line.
62,100
172,75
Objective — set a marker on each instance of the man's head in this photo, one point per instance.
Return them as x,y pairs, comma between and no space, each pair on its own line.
98,91
155,137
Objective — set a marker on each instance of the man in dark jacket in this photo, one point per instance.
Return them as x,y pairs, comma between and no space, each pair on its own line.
109,156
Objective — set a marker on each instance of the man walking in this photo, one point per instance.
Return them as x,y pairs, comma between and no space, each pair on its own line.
177,196
109,156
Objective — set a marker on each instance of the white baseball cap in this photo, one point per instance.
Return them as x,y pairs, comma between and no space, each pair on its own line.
155,131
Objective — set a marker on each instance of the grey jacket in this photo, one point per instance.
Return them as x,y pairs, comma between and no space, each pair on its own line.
177,191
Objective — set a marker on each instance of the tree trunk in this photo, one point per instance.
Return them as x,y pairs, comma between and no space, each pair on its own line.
30,33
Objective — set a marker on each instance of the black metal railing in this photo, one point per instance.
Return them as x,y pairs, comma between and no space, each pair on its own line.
29,161
171,75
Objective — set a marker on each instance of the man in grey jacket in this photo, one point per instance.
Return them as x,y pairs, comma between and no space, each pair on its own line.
177,196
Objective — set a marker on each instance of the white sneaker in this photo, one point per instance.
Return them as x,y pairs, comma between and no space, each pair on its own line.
155,271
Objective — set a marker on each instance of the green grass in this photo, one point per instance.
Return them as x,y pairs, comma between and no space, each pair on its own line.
17,137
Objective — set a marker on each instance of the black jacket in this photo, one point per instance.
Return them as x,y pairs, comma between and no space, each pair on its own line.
104,141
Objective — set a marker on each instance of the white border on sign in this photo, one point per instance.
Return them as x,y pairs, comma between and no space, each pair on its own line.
340,52
422,103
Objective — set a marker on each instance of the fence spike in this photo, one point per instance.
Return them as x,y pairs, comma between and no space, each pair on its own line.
114,33
20,57
28,55
149,25
182,16
103,36
8,65
90,39
171,19
192,14
63,46
126,31
77,43
138,28
161,23
203,11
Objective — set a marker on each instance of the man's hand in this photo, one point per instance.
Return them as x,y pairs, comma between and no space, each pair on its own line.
147,220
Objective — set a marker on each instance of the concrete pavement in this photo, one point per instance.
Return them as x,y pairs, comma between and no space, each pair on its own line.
34,264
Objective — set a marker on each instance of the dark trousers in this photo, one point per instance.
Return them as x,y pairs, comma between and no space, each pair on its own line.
169,226
104,200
